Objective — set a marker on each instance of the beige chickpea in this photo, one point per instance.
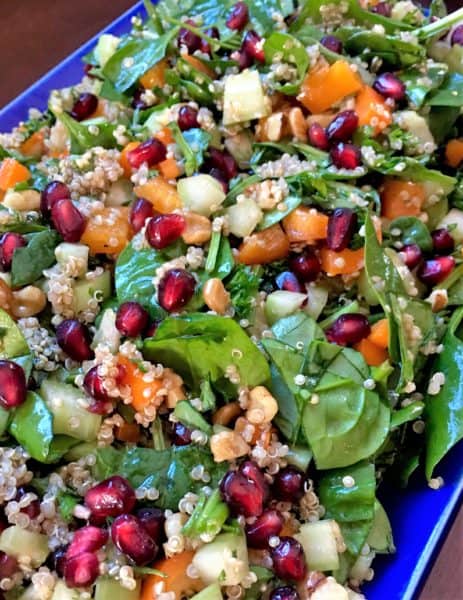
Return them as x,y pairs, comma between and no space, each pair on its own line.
198,229
6,297
24,200
216,296
226,414
28,301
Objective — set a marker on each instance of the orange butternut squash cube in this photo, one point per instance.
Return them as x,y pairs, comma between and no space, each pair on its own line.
176,579
380,333
34,146
124,158
401,198
373,354
162,194
12,172
305,224
454,153
345,262
155,77
264,246
372,110
143,392
108,231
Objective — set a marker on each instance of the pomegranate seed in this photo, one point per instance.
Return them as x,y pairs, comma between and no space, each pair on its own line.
82,570
131,538
181,435
343,126
53,192
189,39
332,43
84,107
268,524
74,338
8,565
390,86
318,137
243,59
151,152
457,36
288,559
140,210
13,388
346,156
176,289
94,386
348,329
253,46
245,490
442,241
238,17
131,319
57,560
341,227
205,47
411,255
436,270
110,498
305,266
187,118
219,175
163,230
32,510
68,220
288,484
289,282
284,593
98,407
223,161
9,242
382,8
86,539
152,520
152,328
137,100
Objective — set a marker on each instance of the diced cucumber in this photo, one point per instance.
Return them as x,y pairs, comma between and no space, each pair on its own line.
321,541
69,418
106,47
84,290
240,147
157,120
380,537
110,589
317,297
190,417
244,98
65,252
299,456
224,561
62,592
403,10
454,221
281,304
15,541
120,193
244,217
329,589
212,592
107,332
202,194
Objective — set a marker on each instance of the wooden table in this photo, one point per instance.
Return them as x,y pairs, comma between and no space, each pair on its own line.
36,35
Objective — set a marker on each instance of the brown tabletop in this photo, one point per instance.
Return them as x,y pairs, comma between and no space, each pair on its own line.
37,34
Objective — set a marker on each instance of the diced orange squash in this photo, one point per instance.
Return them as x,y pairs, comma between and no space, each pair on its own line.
380,333
401,198
372,110
199,65
345,262
143,392
124,158
162,194
326,85
373,354
305,224
454,153
34,146
12,172
176,579
264,246
128,432
108,231
169,168
155,77
165,136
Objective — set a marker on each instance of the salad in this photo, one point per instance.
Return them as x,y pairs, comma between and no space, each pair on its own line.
231,301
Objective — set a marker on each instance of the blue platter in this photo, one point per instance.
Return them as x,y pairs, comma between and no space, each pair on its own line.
420,517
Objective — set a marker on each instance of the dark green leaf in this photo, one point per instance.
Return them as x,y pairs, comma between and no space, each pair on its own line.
208,516
271,217
12,341
394,51
407,413
192,143
67,501
81,135
419,85
287,49
243,287
30,261
449,94
412,231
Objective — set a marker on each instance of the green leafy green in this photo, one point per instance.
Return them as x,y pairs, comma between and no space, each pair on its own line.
243,287
30,261
193,143
380,537
394,51
420,85
88,134
190,417
412,231
208,517
271,217
449,94
287,49
407,413
220,259
12,341
67,501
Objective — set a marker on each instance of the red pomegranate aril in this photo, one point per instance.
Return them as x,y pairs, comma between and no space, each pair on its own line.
243,59
74,338
13,388
245,490
151,329
221,178
99,407
205,46
87,539
84,107
82,570
8,565
382,8
54,191
457,36
151,152
411,255
238,17
284,593
163,230
224,161
181,435
187,118
305,266
318,137
32,510
94,385
132,539
9,243
346,156
343,126
289,282
140,211
131,319
288,484
331,42
433,271
253,45
68,220
442,241
341,227
288,559
188,38
176,289
268,524
110,498
152,520
348,329
390,86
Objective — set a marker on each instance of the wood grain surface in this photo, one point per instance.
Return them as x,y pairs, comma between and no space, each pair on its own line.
37,34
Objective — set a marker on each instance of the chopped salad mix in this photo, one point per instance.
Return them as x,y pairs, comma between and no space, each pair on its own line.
231,301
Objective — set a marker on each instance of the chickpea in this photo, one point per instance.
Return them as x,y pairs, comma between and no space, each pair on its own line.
28,301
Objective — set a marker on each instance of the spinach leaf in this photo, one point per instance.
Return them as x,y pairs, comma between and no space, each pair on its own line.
441,120
30,261
169,471
297,330
202,346
193,143
380,537
287,49
449,94
419,85
413,169
81,135
220,259
394,51
271,217
444,411
243,287
412,231
407,413
12,341
67,501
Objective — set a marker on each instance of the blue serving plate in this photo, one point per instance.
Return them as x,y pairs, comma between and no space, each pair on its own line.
420,517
